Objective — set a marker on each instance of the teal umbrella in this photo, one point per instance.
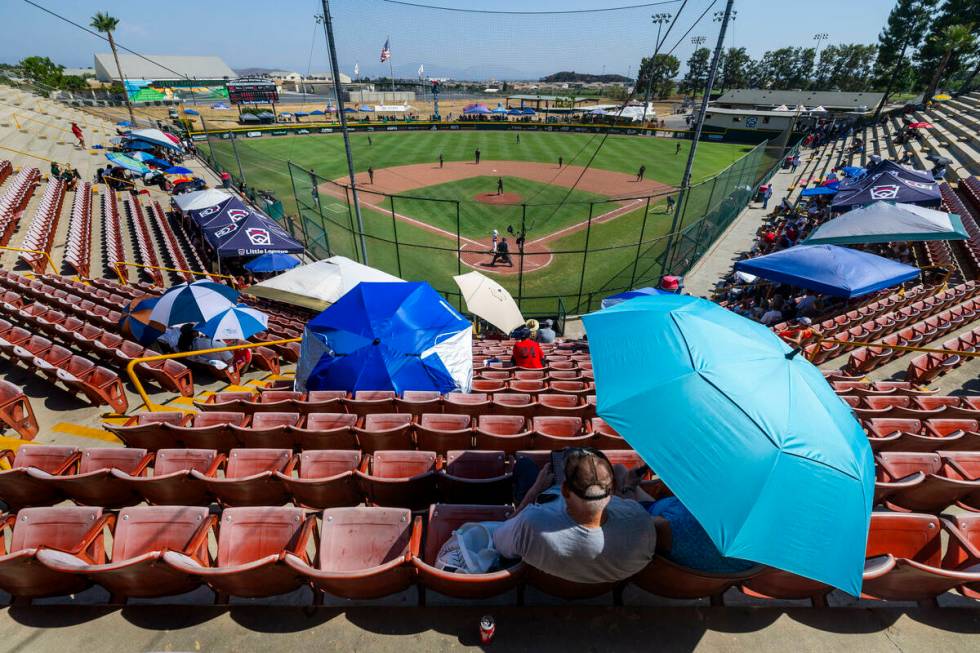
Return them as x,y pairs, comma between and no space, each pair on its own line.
744,430
127,162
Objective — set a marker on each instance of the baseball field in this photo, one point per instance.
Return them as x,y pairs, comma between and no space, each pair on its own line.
428,220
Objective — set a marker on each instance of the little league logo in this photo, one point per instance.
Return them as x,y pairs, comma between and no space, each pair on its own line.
225,230
258,236
237,214
919,184
886,192
210,210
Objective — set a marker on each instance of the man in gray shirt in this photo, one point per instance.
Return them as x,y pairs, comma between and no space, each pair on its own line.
585,534
546,333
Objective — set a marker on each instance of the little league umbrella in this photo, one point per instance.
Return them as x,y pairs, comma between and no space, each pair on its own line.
235,323
387,336
486,298
744,430
193,302
127,162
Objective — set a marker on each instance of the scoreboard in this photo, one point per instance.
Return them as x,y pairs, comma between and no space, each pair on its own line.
252,91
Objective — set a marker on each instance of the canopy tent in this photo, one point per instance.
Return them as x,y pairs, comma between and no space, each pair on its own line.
818,110
889,186
132,144
477,109
231,211
387,336
772,464
192,112
500,109
612,300
254,234
828,269
320,284
886,165
486,298
781,107
317,112
201,199
883,222
854,172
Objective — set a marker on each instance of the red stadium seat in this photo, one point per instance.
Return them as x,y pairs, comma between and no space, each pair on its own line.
559,432
250,477
369,402
507,433
578,388
252,547
935,492
963,550
403,479
326,431
267,430
172,483
476,477
94,484
383,431
18,489
325,479
140,537
16,411
664,577
562,405
364,553
323,401
442,432
238,402
147,430
417,402
513,403
209,430
461,403
487,386
606,436
443,520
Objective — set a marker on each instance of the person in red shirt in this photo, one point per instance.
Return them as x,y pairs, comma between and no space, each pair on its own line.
77,131
527,353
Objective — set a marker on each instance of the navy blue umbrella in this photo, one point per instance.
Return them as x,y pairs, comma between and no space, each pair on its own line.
272,262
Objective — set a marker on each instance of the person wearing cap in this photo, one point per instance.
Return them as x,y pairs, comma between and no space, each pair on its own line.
580,530
527,353
546,334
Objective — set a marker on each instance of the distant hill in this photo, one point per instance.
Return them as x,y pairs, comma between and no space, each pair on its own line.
572,76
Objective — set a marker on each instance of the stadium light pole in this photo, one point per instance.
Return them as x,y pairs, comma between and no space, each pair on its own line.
698,126
659,20
335,71
697,42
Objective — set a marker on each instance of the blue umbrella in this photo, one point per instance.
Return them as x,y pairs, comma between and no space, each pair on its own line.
124,123
236,323
143,156
819,190
192,112
127,162
178,170
318,112
272,263
193,302
829,269
387,336
746,432
136,321
137,145
612,300
855,172
300,114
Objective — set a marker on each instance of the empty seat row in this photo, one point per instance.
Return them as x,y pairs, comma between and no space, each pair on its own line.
78,248
927,367
57,364
44,223
372,552
169,241
879,388
112,299
145,252
112,244
374,432
115,477
869,406
904,434
414,402
6,169
928,482
14,200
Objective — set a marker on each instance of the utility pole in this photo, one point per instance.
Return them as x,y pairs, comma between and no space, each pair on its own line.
335,71
659,20
698,126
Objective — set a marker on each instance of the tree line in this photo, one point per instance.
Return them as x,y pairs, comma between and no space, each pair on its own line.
921,47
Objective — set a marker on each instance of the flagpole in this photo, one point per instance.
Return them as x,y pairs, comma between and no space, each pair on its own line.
335,71
391,68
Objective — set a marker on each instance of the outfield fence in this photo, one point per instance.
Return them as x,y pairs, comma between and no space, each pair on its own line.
609,246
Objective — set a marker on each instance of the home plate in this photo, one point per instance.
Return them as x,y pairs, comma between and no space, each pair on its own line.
494,170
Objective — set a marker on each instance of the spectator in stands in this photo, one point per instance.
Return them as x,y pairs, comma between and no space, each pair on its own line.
773,315
806,304
546,333
225,179
801,333
55,170
766,194
795,163
578,530
527,353
906,158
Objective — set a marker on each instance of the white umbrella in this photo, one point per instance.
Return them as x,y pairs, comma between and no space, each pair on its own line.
193,302
156,137
317,285
488,299
235,323
201,199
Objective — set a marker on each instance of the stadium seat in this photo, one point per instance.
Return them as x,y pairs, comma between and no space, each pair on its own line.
325,479
99,385
570,590
209,430
140,538
267,430
963,465
238,402
461,403
664,577
442,432
606,436
487,386
363,553
963,550
250,477
93,484
507,433
561,405
74,529
402,479
417,402
577,388
936,490
326,431
16,411
443,519
382,431
147,430
961,434
513,403
530,387
476,477
18,489
553,433
277,401
370,402
323,401
252,546
528,375
172,483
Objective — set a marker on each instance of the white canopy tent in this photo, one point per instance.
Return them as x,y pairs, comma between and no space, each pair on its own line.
201,199
319,284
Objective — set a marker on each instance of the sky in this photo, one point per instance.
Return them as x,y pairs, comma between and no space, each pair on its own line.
246,33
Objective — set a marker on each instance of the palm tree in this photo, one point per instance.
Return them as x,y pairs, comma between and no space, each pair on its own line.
955,38
106,24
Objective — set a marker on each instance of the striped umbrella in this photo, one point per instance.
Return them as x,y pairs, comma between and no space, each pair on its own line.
193,302
235,323
135,322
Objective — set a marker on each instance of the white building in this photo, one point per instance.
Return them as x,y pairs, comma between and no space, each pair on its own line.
163,68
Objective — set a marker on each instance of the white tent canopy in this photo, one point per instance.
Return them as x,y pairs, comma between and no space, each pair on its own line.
781,107
488,299
201,199
317,285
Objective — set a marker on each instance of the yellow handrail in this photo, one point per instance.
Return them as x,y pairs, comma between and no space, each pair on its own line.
124,281
32,251
131,366
883,345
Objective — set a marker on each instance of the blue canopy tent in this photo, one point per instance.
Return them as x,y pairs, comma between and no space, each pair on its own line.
890,187
905,172
272,263
137,145
231,210
528,111
477,110
612,300
499,109
300,114
387,336
743,430
829,269
192,112
515,112
855,172
317,112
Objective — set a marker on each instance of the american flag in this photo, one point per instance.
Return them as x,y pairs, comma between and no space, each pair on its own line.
385,52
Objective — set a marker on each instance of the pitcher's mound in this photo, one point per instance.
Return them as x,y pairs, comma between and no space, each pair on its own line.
503,198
